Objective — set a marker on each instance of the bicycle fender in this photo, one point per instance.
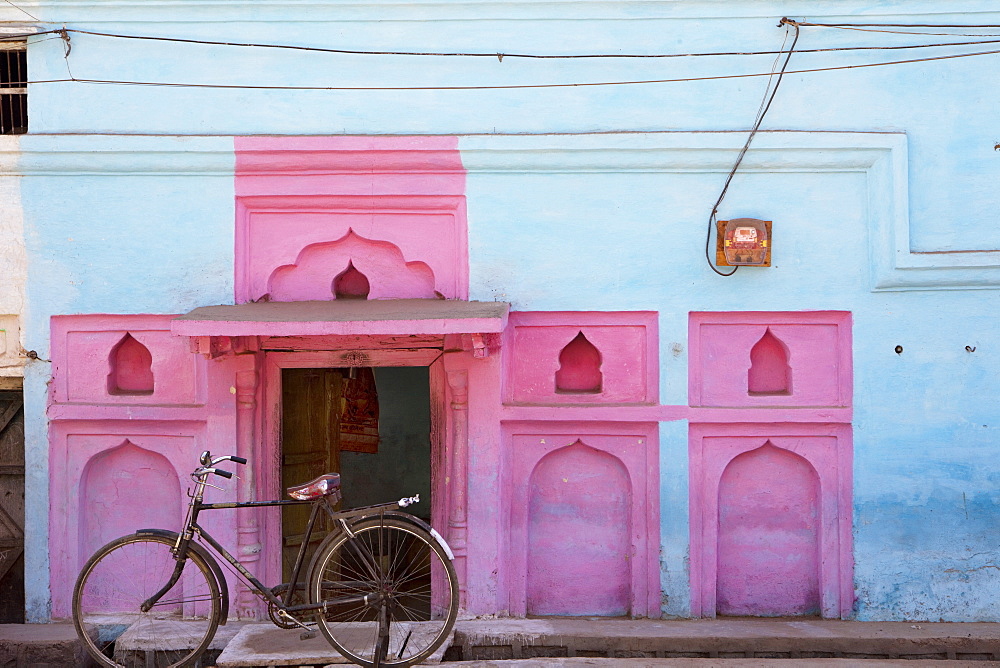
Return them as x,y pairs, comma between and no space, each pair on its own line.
220,578
412,519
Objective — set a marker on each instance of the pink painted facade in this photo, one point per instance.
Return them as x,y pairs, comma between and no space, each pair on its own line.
544,437
119,457
771,497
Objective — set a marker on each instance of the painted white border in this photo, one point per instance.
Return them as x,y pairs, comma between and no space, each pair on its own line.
256,11
881,156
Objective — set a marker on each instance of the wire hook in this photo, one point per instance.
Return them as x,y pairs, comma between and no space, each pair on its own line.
67,44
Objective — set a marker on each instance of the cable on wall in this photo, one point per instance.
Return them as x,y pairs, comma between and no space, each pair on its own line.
765,104
22,10
810,70
501,55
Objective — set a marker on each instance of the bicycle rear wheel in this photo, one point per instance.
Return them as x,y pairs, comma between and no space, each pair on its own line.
390,591
116,581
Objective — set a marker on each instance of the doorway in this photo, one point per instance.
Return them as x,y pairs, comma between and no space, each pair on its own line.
11,506
372,425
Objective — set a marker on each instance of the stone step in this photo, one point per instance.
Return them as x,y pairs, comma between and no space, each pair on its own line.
805,639
536,643
712,663
266,646
41,646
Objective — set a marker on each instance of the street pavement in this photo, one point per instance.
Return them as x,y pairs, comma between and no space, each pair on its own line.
599,643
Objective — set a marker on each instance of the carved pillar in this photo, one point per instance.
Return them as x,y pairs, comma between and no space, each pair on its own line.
249,546
458,524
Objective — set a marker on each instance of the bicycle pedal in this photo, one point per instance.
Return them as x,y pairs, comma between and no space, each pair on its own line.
307,635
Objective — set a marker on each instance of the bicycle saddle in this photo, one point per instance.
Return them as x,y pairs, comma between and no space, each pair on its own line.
325,485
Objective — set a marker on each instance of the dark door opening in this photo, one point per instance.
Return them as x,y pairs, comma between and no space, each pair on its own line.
370,424
11,507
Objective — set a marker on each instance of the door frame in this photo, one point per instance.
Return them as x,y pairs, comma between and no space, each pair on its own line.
267,476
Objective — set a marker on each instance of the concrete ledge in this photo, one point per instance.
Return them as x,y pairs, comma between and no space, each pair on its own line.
506,639
712,663
265,645
41,646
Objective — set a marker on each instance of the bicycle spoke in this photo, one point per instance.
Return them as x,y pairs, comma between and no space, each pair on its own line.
393,559
124,574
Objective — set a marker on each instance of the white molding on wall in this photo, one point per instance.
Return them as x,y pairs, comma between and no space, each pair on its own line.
15,28
13,261
83,155
881,156
291,11
11,362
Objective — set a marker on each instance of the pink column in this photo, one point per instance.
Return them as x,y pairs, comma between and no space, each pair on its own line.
458,382
246,518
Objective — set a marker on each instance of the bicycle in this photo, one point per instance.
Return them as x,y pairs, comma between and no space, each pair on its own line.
367,587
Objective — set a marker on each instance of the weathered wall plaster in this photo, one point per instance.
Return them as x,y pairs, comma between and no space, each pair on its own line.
13,261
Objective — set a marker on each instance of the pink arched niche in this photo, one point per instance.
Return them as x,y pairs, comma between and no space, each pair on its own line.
579,367
131,366
579,536
771,513
581,514
351,284
768,563
769,371
578,357
124,489
296,192
378,263
758,359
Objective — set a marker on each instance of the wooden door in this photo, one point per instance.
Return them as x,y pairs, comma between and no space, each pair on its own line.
11,507
310,445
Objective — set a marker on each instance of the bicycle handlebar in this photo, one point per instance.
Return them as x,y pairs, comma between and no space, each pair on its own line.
208,464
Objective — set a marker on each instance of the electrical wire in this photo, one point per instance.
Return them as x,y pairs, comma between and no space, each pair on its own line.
880,28
765,105
718,77
22,10
23,36
501,55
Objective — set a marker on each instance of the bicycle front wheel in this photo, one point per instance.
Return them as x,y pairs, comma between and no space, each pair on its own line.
389,591
110,593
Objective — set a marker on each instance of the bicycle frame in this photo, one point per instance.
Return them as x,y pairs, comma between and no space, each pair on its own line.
192,529
377,566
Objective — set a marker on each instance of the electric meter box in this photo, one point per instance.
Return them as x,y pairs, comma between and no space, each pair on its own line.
743,242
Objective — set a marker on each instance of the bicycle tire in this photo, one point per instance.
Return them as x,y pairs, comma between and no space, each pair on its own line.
123,574
393,562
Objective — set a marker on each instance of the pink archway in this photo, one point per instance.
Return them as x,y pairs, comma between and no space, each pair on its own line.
579,546
768,558
124,489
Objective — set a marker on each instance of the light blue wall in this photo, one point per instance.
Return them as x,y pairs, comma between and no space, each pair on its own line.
112,225
882,180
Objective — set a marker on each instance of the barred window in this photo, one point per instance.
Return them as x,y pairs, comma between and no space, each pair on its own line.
13,88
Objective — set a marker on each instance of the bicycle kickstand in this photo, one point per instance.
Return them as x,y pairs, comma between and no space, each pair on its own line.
307,632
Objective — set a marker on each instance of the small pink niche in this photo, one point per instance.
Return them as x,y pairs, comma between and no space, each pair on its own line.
351,284
769,372
131,368
579,368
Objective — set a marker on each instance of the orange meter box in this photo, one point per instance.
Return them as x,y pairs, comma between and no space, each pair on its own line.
743,242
